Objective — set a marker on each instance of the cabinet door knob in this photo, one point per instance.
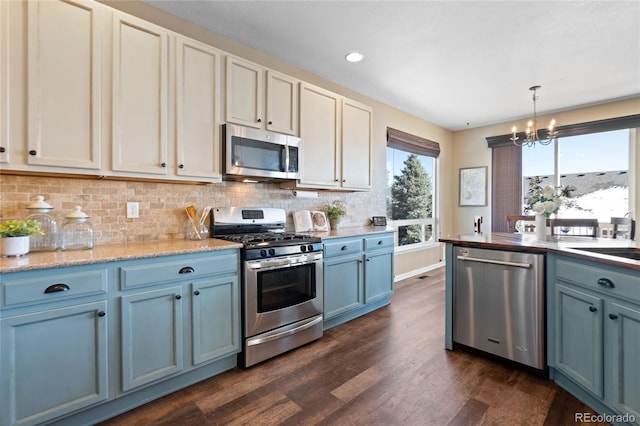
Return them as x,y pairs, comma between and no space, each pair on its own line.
613,316
259,120
593,308
606,282
102,313
33,152
57,288
186,270
336,180
368,260
181,166
163,165
178,297
197,292
2,149
270,122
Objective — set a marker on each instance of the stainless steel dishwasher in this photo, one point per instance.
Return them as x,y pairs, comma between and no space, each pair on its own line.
499,303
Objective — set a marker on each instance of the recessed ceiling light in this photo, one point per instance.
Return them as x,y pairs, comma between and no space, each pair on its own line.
354,57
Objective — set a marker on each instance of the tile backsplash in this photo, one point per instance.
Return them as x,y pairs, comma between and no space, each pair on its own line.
162,214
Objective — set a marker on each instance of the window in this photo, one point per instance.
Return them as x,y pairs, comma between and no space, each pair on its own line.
411,184
596,165
601,140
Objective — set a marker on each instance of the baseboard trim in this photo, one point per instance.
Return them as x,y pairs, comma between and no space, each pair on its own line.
419,271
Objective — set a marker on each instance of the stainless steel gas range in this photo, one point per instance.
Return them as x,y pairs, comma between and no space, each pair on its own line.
282,281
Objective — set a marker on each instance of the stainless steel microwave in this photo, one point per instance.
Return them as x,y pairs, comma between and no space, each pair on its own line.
254,154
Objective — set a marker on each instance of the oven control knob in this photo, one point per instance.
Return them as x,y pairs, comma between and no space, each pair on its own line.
263,252
272,252
310,247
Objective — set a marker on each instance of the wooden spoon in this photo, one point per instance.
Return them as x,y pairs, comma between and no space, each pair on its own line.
191,212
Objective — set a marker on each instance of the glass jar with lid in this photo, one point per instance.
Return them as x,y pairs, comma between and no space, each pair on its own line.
77,231
39,210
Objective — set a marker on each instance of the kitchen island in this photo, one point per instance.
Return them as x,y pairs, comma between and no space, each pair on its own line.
592,316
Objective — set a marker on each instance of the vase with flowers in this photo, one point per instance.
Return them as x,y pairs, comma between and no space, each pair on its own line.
545,201
335,210
14,236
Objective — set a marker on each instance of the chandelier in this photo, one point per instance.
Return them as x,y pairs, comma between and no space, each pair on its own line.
532,128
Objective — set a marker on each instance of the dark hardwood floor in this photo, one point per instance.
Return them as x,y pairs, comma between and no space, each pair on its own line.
386,368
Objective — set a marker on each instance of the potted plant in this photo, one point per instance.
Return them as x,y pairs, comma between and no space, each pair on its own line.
335,211
14,236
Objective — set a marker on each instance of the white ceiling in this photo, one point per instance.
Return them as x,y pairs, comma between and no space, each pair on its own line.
457,64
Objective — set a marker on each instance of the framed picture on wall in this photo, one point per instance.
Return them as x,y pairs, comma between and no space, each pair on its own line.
473,186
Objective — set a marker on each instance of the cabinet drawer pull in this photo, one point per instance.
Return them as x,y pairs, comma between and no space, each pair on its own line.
197,292
178,297
56,288
380,242
186,270
343,248
613,316
606,282
102,313
593,309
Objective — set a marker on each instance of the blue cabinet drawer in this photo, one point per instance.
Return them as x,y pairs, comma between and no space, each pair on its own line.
608,280
342,247
54,286
378,241
171,270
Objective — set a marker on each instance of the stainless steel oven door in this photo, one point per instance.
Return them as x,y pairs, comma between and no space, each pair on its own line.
281,291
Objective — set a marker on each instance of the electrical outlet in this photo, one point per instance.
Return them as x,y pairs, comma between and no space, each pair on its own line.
133,210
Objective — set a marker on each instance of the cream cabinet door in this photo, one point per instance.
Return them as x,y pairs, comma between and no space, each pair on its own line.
319,131
356,145
197,93
139,96
63,66
4,82
282,103
244,85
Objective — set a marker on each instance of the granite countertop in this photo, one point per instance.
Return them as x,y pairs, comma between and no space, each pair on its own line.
130,251
352,231
570,246
111,253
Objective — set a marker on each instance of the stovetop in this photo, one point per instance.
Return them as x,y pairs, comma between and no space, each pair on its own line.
261,231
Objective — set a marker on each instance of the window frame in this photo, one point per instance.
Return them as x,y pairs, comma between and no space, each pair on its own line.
433,220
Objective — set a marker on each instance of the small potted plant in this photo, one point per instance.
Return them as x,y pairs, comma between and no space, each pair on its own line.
14,236
335,210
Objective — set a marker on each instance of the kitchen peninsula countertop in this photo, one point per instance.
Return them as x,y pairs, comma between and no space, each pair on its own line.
111,253
566,245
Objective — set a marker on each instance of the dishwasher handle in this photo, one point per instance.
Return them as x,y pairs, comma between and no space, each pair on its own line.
495,262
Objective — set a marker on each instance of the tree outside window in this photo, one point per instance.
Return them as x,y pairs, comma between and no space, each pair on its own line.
410,195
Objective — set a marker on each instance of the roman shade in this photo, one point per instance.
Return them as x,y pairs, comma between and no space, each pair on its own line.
411,143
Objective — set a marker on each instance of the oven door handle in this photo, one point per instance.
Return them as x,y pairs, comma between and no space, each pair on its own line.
279,335
282,263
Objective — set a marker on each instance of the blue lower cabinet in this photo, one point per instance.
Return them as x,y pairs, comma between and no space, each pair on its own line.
358,276
622,329
53,362
594,334
151,329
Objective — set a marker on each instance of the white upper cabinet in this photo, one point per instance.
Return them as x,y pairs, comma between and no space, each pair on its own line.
4,82
356,145
197,124
336,141
139,119
244,92
64,66
320,134
282,103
